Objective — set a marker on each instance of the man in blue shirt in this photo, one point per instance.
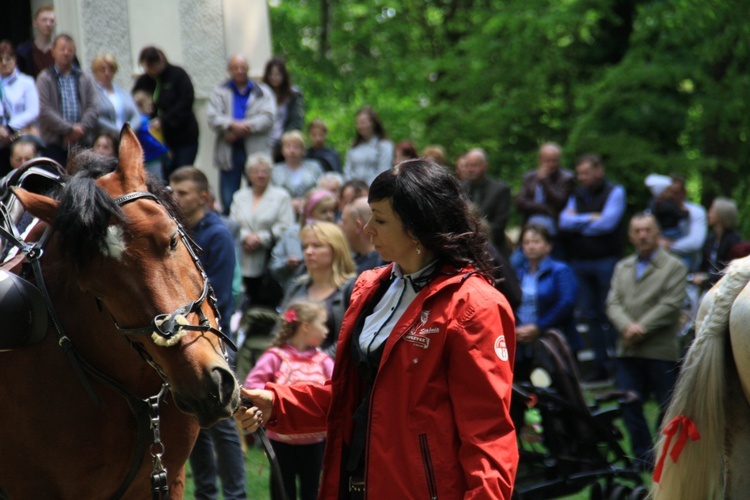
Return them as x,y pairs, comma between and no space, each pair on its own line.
218,449
241,113
591,229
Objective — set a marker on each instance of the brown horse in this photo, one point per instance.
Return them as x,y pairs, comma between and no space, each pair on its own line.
116,260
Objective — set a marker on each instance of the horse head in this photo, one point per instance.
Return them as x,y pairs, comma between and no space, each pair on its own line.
115,228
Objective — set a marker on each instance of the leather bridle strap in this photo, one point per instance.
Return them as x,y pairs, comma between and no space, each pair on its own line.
165,325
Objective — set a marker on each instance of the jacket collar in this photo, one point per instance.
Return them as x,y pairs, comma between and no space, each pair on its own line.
658,259
447,275
544,266
74,71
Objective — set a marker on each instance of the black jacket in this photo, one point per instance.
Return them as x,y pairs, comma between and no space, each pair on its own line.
174,96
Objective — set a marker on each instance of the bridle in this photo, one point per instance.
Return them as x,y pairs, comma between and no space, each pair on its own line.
167,326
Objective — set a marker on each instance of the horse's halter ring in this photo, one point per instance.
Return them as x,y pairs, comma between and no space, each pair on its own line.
167,327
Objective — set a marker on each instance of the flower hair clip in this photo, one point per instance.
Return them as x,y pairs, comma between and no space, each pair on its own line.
290,316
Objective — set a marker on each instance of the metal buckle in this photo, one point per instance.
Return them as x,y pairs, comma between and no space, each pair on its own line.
356,486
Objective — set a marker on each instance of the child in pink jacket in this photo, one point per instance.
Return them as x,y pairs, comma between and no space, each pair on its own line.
295,357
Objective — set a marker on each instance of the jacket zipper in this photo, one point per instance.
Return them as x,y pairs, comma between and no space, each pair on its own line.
369,411
428,470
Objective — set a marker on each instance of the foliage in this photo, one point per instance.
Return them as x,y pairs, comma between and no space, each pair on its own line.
652,86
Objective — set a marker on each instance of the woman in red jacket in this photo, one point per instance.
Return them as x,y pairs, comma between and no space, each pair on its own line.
418,404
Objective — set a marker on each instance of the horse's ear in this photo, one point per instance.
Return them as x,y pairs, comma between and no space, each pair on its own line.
37,205
131,155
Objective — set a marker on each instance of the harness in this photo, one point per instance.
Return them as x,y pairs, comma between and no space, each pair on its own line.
163,326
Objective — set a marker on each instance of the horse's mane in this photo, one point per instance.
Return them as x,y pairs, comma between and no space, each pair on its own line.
86,211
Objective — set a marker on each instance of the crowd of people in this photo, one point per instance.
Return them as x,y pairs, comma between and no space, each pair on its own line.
341,249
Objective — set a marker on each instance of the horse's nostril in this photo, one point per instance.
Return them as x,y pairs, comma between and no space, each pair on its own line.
226,384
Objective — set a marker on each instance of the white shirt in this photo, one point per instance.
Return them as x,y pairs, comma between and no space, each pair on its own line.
20,99
392,305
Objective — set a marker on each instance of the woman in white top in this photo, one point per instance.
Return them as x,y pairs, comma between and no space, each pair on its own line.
19,103
263,212
116,106
371,152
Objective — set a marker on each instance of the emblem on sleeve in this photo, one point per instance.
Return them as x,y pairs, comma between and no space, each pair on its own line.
501,349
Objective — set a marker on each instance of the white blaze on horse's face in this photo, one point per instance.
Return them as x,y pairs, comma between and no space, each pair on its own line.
114,245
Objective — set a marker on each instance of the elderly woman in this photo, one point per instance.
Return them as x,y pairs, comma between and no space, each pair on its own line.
116,106
287,256
371,152
329,276
262,212
418,404
19,103
296,173
722,236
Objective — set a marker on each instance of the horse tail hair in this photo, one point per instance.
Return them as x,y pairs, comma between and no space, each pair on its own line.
700,395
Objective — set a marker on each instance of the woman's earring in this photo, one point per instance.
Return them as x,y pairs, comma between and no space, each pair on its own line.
419,251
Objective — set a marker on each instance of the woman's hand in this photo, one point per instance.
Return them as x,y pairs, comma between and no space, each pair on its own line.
293,262
253,417
251,242
526,334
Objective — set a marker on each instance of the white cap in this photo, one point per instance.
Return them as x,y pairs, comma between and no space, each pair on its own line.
657,183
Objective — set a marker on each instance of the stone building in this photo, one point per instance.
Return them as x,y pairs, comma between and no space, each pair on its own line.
198,35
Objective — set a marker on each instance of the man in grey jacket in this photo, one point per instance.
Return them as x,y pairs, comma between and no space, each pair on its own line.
644,302
67,102
241,112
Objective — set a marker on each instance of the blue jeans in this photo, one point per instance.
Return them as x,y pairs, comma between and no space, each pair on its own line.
231,180
594,277
218,452
644,376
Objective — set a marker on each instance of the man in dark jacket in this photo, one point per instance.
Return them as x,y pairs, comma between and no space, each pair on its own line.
190,187
491,196
173,96
545,191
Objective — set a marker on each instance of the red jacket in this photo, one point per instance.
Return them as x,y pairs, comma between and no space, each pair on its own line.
439,424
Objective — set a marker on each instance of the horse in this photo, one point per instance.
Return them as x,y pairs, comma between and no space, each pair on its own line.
705,437
109,403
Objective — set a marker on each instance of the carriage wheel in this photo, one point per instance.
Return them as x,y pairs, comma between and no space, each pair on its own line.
619,492
639,493
595,492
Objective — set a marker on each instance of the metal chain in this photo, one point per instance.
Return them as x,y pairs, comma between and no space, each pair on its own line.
159,484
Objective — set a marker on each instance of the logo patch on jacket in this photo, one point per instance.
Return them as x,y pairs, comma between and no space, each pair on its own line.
501,348
417,334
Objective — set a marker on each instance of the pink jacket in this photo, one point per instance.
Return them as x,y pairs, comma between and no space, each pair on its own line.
439,423
288,365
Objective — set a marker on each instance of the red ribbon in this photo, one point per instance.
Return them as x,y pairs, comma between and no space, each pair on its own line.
684,428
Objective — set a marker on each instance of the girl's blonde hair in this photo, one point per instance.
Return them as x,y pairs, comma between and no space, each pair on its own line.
296,313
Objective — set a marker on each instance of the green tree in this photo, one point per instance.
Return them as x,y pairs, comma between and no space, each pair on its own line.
652,86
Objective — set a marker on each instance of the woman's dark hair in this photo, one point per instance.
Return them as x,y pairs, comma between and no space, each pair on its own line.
539,229
407,149
434,209
284,91
6,49
151,55
378,129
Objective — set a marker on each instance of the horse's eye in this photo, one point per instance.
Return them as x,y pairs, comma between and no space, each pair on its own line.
173,243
